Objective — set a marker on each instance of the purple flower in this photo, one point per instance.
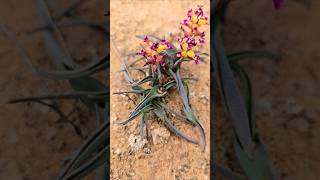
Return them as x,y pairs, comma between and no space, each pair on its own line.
142,52
199,11
154,58
201,40
184,22
202,34
196,59
169,45
154,46
145,39
278,4
162,63
189,14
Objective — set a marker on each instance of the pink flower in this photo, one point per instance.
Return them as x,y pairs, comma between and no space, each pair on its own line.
278,4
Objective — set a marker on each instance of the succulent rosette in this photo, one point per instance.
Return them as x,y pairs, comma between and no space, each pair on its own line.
162,61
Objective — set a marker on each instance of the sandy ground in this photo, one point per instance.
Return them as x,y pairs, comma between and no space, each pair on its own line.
34,142
165,156
286,91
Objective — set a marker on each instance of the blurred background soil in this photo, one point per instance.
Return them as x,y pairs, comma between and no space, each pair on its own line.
165,156
35,140
286,91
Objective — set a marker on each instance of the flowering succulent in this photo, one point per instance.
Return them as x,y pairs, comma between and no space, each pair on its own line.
161,69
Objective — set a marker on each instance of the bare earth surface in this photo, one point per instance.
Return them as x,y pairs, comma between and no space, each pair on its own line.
165,156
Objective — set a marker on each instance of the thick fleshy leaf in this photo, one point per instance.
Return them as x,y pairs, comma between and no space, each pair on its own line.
247,90
87,167
142,81
161,114
184,94
181,89
143,106
77,21
178,115
57,53
72,95
153,93
172,83
101,28
95,67
89,84
138,112
126,72
234,102
133,91
243,54
90,145
136,61
258,166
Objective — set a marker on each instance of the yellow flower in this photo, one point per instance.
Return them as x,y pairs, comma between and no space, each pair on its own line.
184,54
184,46
202,22
190,54
194,18
161,48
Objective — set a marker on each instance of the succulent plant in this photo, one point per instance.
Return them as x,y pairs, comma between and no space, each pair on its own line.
160,67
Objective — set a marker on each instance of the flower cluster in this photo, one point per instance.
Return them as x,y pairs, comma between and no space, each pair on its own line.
153,51
192,36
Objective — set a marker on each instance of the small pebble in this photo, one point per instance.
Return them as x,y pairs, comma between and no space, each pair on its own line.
147,150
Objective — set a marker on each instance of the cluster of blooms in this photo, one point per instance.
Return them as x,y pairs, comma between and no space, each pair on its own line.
152,51
191,34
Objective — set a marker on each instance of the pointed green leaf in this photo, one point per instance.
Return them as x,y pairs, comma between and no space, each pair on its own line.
88,84
136,113
258,166
235,56
162,115
247,90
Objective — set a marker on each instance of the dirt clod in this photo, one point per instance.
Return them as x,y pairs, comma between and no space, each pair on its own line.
136,142
160,135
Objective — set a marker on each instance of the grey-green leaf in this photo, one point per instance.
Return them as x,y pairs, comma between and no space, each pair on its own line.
258,166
